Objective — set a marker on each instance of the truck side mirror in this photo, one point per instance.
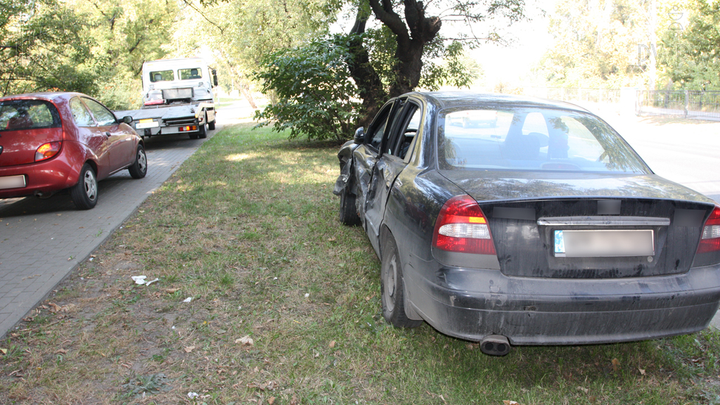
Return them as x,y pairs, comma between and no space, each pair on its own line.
214,76
359,137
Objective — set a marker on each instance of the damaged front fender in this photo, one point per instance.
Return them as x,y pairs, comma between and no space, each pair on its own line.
346,165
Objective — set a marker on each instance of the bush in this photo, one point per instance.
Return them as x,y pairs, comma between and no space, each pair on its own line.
314,95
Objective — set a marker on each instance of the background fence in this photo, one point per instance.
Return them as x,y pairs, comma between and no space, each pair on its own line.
684,103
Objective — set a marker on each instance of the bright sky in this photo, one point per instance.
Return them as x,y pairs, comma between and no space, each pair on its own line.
530,40
509,64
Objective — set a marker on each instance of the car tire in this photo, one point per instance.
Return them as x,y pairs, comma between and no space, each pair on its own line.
392,288
84,194
348,210
202,133
138,170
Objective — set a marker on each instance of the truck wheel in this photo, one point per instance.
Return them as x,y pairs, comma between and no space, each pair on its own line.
211,126
84,194
203,131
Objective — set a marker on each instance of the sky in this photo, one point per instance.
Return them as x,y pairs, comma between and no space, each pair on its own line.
530,40
510,64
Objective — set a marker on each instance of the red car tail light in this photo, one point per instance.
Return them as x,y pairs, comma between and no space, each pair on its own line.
710,240
47,150
462,227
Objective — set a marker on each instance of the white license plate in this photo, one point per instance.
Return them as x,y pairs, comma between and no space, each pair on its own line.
604,243
12,182
146,123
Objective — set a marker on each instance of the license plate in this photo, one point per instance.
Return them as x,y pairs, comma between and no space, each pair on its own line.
12,182
146,123
604,243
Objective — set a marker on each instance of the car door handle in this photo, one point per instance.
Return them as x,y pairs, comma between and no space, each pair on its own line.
107,134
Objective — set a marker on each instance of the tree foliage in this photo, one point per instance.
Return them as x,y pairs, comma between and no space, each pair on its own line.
400,52
596,43
41,47
690,57
95,47
315,96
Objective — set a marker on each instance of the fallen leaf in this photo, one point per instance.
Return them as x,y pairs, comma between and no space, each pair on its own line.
189,349
583,389
271,400
332,344
4,351
172,290
642,371
615,364
245,341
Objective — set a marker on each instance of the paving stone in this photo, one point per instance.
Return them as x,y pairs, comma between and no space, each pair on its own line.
42,241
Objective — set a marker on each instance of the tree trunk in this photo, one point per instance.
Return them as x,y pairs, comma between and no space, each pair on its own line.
368,81
411,36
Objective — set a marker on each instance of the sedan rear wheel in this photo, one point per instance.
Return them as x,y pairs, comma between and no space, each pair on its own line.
138,170
393,288
84,194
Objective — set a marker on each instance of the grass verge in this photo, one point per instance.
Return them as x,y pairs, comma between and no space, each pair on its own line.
263,297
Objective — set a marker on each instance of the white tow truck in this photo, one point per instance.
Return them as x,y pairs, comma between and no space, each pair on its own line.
178,98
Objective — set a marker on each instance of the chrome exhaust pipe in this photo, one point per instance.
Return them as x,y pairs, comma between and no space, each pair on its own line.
495,345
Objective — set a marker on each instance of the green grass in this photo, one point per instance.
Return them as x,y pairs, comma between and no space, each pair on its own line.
248,229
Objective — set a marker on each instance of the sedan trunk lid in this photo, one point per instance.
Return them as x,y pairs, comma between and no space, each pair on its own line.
588,225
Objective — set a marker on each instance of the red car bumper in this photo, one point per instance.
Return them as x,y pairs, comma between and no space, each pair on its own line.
46,177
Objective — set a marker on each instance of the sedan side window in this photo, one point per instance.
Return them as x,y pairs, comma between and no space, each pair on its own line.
377,128
80,114
102,115
408,128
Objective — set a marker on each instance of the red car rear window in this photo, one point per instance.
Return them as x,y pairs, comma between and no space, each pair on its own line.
27,114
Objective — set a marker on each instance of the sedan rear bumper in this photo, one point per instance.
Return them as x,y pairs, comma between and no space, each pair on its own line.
45,177
530,311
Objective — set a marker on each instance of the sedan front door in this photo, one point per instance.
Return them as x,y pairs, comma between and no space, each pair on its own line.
392,135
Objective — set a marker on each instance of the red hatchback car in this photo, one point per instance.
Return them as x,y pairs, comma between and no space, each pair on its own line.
55,141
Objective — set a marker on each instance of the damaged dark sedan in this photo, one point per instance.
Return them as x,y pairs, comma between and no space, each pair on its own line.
515,221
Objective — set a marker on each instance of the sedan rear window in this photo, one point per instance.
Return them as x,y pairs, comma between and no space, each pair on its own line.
27,114
532,139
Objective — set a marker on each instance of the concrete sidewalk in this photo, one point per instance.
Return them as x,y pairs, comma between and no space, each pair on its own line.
42,241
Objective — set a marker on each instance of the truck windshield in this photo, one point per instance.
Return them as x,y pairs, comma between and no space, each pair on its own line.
190,74
162,76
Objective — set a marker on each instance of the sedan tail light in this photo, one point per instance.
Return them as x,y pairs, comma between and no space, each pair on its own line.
710,240
47,150
462,227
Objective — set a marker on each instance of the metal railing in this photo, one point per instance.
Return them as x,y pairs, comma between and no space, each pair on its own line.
605,96
685,103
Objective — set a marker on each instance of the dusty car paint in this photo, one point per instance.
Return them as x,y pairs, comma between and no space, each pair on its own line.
523,292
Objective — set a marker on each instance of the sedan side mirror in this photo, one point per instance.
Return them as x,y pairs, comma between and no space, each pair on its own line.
359,136
127,119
